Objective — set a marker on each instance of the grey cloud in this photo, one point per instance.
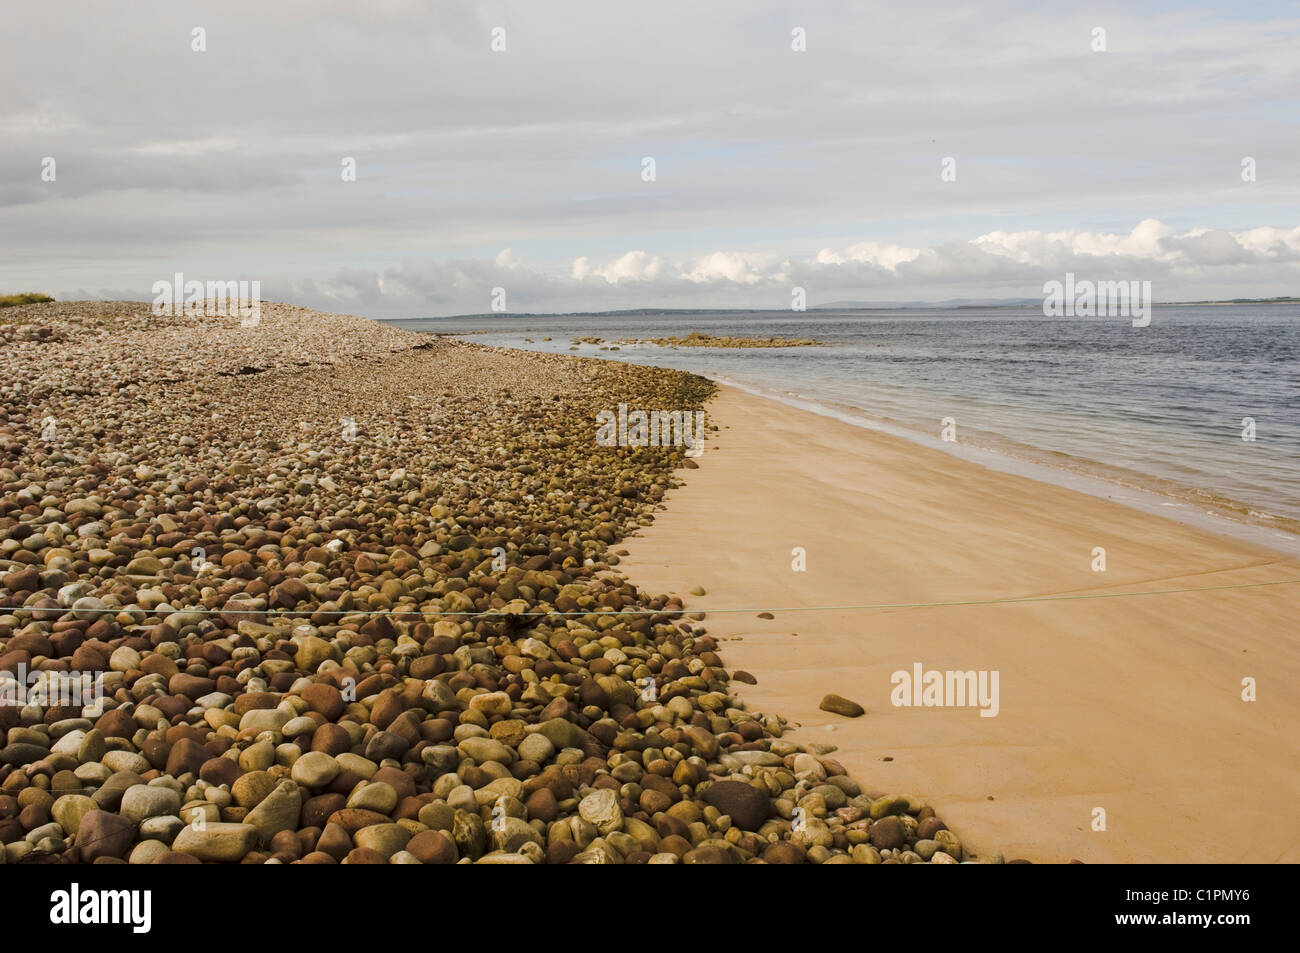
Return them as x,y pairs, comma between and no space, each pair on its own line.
228,161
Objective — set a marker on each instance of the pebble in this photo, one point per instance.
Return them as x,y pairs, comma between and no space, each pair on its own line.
383,839
218,842
432,847
142,801
103,834
315,769
839,705
162,827
374,796
119,761
69,810
747,807
486,749
888,833
536,748
259,720
221,571
147,851
601,810
278,811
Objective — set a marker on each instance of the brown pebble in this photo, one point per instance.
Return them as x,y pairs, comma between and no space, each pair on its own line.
317,857
888,833
839,705
175,857
927,828
785,852
542,805
561,852
432,847
707,855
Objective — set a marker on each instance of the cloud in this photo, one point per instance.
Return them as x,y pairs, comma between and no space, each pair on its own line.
634,266
876,253
1189,265
723,266
774,168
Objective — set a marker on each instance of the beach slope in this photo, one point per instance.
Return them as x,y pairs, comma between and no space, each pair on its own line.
1114,708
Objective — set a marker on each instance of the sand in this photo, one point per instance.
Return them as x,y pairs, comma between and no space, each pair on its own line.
1132,705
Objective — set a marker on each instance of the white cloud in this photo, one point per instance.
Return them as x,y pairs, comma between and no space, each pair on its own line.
507,258
726,266
1146,240
1151,242
1281,243
631,267
876,253
1188,265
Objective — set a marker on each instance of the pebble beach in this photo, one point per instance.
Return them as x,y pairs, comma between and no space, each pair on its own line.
353,595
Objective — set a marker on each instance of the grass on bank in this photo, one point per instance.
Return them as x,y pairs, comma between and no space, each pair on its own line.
31,297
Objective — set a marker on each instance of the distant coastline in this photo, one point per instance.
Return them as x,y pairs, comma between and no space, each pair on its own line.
951,304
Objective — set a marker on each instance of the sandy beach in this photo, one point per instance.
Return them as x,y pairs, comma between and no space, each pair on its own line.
359,595
1130,704
460,434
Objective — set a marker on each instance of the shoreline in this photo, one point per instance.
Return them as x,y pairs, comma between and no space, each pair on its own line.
1127,704
1172,506
1259,512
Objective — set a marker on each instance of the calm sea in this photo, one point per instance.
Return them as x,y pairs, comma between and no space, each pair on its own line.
1160,409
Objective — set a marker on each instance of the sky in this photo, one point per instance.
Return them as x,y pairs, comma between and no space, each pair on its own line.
908,152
